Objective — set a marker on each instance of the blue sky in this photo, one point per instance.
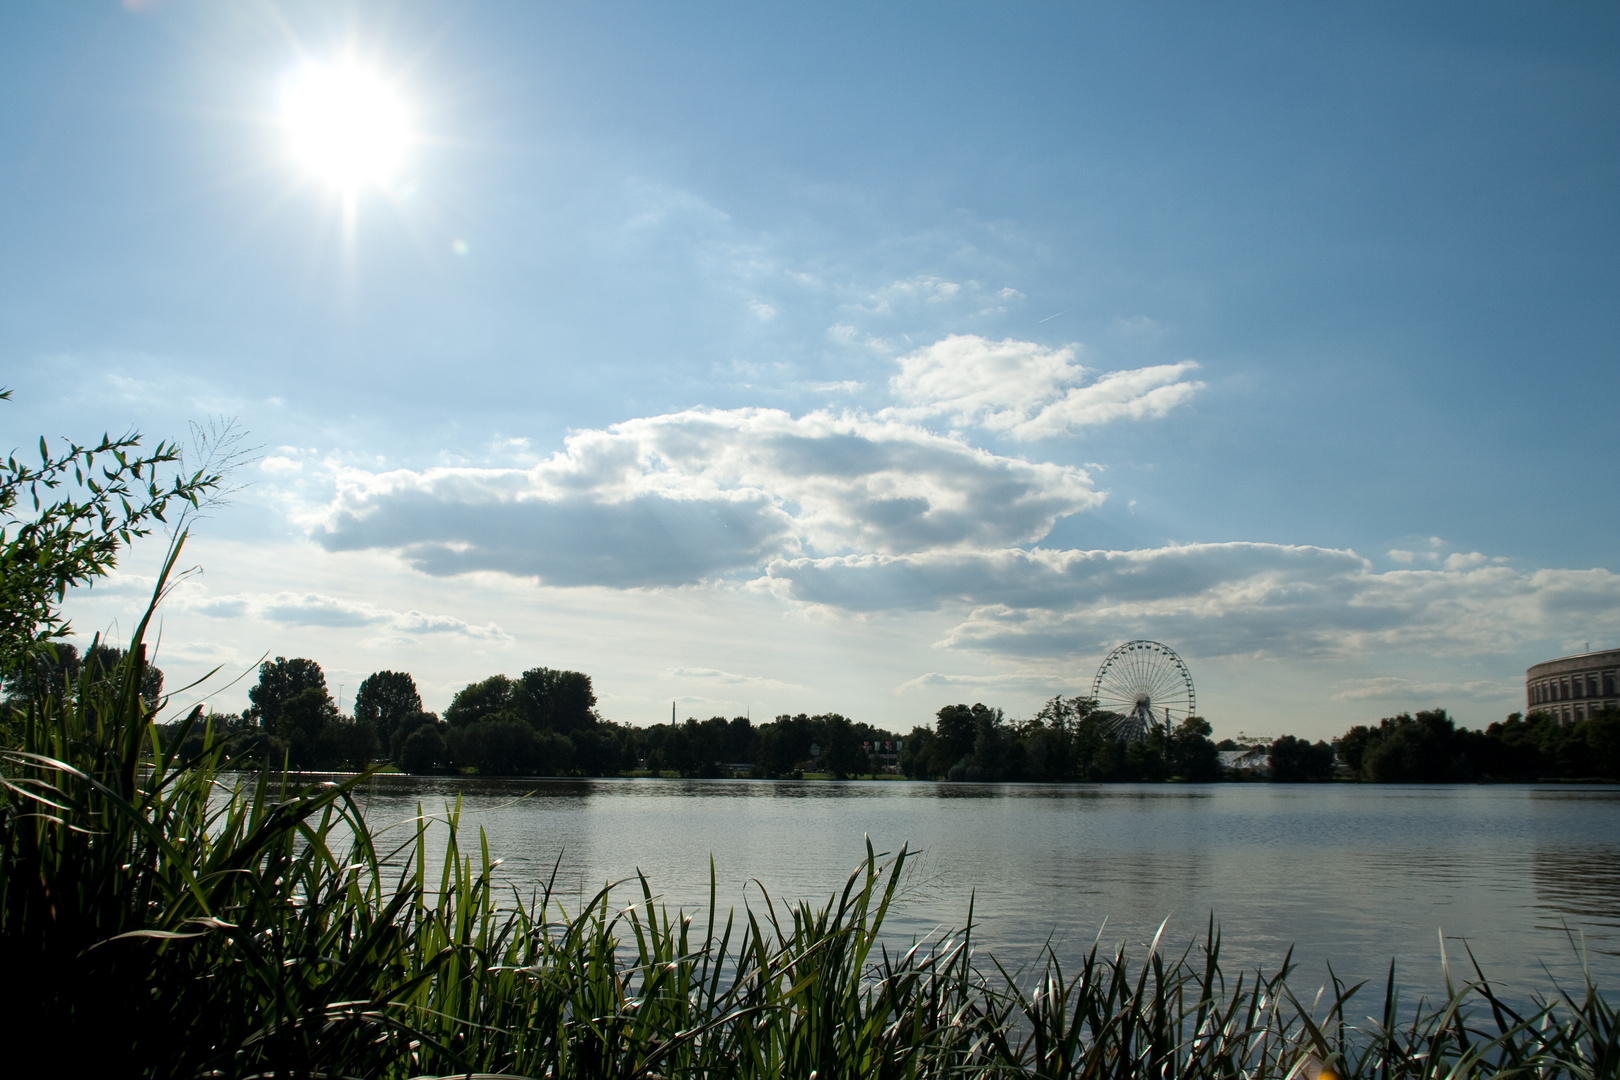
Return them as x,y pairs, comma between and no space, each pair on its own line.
846,357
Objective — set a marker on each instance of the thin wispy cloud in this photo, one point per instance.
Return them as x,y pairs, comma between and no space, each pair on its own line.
1394,689
310,609
715,676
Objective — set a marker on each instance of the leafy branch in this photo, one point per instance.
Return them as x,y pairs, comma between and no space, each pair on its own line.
63,521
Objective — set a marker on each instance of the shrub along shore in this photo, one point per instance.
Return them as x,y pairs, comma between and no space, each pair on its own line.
150,927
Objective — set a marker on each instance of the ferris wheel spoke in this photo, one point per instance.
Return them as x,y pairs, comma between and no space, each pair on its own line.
1142,684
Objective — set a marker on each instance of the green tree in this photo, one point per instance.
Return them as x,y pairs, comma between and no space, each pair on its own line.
1192,753
1425,748
917,754
1353,746
406,728
384,699
841,754
599,751
346,743
280,680
103,662
1601,734
483,700
51,670
551,700
773,757
502,746
56,668
301,720
954,732
423,750
1294,760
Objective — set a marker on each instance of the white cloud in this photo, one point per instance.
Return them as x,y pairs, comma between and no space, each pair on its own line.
1042,578
977,682
728,678
1391,688
1029,391
1212,599
925,288
320,610
703,494
1137,326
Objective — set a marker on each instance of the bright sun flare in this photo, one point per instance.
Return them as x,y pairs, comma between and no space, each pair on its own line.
348,127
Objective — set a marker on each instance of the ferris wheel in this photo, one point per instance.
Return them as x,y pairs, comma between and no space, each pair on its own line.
1144,685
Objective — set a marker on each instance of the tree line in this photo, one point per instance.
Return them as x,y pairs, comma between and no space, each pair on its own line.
1429,747
544,722
1069,740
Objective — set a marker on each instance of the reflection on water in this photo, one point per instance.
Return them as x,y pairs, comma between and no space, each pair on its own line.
1352,874
1584,886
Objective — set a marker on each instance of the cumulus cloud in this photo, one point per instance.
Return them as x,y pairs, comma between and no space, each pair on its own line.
277,464
1047,579
684,497
1028,391
313,609
1212,599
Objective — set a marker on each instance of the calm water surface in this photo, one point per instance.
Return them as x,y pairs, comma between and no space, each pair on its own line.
1355,875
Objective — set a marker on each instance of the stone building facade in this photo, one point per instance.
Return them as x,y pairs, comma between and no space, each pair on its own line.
1572,688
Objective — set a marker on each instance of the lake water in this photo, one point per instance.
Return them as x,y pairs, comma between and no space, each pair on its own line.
1354,875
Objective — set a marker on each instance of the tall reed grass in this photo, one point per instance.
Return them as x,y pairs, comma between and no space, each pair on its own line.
159,918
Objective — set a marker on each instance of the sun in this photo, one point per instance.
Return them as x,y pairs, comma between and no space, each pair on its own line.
347,126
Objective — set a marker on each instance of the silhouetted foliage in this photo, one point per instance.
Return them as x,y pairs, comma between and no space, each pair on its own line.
384,699
560,701
50,670
1067,740
483,700
56,669
1430,748
79,506
280,680
1293,760
418,744
102,662
299,722
1540,745
1193,756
